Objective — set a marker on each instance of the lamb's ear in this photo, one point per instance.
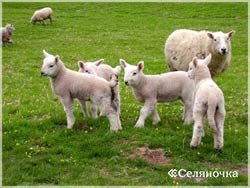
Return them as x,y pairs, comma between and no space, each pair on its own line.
210,35
230,34
46,54
99,62
140,65
57,59
195,61
208,59
117,69
81,64
123,63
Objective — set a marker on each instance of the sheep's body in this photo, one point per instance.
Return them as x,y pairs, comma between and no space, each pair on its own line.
151,89
7,32
104,71
182,45
41,15
68,84
208,100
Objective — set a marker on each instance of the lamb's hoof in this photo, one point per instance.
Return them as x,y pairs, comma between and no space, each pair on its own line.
188,122
69,126
218,150
156,122
139,126
114,130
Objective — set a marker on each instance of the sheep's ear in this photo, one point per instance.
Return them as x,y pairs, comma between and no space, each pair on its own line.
210,35
45,53
140,65
208,59
81,64
57,59
117,69
123,63
230,34
99,62
195,61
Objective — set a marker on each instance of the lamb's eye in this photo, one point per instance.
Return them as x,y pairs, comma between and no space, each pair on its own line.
87,71
215,40
134,73
50,66
190,68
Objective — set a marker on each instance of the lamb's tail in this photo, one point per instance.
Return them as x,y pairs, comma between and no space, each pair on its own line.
212,107
113,83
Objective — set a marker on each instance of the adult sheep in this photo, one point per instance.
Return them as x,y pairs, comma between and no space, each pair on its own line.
183,44
41,15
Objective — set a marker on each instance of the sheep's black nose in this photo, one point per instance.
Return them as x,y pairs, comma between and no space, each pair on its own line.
42,73
126,82
223,50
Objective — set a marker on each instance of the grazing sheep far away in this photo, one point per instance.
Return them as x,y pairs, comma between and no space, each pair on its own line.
41,15
182,45
7,32
68,84
151,89
105,71
208,100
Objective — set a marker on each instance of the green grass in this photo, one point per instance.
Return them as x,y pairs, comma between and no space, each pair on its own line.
37,147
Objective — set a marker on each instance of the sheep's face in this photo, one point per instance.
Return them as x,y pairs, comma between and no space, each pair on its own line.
50,66
133,73
89,67
197,65
220,42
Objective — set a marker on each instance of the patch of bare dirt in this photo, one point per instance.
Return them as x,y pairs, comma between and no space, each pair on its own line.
82,127
153,156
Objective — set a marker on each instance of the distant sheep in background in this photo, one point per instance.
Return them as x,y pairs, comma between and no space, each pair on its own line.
68,84
151,89
208,100
7,32
105,71
182,45
41,15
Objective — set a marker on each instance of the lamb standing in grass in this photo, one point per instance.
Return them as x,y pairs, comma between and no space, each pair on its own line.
182,45
104,71
208,99
151,89
68,84
7,32
41,15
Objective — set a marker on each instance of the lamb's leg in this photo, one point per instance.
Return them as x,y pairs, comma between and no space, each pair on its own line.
188,112
50,19
93,108
146,110
198,130
218,136
84,108
113,116
155,115
68,108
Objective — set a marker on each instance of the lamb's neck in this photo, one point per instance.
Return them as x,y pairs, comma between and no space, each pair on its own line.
141,83
201,75
61,72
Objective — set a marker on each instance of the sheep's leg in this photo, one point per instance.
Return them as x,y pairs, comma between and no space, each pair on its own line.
68,108
198,130
155,115
107,109
188,113
50,19
84,108
93,109
146,110
218,136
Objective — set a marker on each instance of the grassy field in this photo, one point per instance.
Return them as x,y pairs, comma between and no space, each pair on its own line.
37,147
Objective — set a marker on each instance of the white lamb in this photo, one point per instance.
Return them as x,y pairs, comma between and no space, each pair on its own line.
151,89
68,84
41,15
208,100
7,32
104,71
182,45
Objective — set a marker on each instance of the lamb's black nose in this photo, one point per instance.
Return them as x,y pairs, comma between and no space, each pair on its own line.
126,82
223,50
42,73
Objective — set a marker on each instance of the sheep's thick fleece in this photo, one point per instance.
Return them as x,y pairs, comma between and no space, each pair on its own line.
7,32
41,15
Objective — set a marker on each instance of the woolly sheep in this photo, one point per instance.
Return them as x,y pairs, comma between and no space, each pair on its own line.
104,71
41,15
151,89
7,33
68,84
208,99
182,45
